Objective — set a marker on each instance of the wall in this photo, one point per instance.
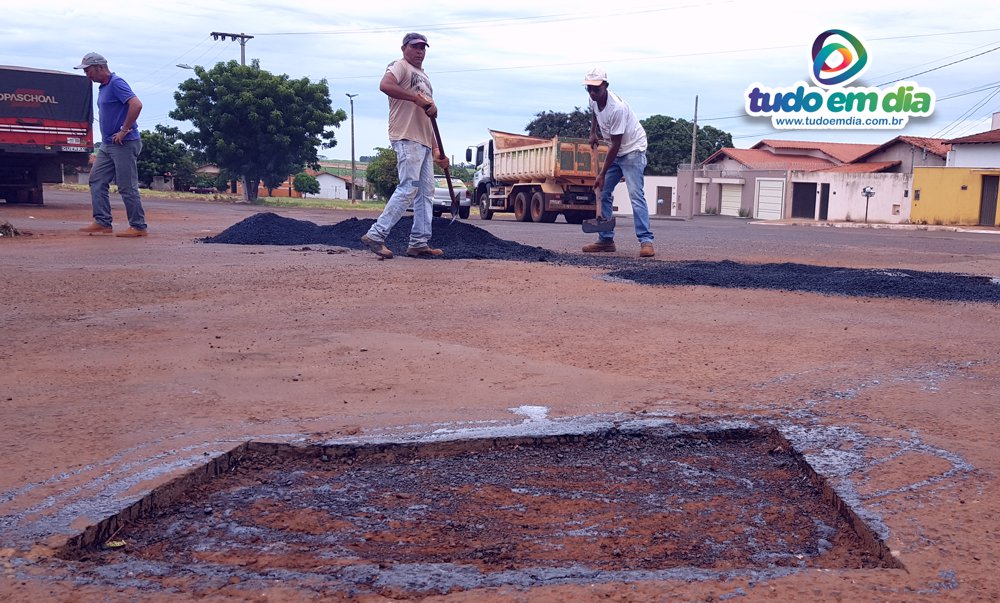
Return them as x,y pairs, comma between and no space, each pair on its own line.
983,155
649,184
909,157
942,200
890,204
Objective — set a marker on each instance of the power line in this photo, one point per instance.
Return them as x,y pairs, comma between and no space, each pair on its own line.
942,66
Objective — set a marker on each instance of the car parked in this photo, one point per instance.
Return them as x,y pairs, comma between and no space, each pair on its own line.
442,202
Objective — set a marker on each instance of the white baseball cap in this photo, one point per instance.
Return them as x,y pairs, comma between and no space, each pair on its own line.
595,77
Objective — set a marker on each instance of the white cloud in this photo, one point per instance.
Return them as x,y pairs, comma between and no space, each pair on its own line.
497,67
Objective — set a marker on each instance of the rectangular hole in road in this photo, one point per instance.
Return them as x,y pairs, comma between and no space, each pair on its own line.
413,518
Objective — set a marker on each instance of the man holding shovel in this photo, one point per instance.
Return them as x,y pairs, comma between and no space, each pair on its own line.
411,132
613,118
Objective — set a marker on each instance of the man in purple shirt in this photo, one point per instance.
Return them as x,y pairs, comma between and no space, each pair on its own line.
118,109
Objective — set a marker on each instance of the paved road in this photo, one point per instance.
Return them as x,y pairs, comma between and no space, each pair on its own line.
703,238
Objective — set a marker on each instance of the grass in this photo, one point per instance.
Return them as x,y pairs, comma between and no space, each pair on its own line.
229,198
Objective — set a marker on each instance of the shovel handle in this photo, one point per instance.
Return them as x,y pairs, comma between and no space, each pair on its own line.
447,176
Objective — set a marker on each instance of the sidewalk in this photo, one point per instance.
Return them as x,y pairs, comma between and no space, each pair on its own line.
931,227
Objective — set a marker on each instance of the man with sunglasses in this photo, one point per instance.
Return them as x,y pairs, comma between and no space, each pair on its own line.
614,119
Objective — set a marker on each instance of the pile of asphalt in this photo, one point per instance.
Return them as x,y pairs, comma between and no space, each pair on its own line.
859,282
461,240
458,239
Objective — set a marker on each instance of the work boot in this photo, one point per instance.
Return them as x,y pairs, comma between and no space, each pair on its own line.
95,228
133,233
425,251
646,250
601,245
377,247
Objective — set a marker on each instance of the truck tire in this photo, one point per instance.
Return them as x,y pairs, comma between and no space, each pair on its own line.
577,217
538,213
463,212
522,207
485,213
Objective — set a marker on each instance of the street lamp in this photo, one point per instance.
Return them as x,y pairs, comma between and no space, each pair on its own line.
185,66
353,172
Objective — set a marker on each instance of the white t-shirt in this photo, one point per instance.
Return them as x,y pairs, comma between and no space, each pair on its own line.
618,118
407,121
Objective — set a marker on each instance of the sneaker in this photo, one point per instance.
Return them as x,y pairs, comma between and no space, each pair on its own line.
96,228
646,250
377,247
606,246
416,252
132,233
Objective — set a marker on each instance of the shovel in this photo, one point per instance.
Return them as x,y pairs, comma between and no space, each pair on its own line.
598,223
451,191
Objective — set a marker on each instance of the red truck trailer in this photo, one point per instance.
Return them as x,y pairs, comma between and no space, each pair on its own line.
46,124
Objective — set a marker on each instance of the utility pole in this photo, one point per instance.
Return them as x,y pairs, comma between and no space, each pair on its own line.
353,172
216,35
694,145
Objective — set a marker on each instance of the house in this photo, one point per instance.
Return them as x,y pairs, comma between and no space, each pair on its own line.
778,179
756,182
330,186
968,190
661,196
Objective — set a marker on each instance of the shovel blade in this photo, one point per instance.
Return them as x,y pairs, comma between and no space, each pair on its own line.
599,224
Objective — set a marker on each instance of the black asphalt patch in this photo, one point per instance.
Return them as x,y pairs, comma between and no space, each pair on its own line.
461,240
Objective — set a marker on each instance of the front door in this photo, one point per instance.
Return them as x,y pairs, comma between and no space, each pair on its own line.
988,202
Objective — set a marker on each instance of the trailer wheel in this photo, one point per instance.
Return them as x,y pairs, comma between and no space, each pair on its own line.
537,209
485,213
576,217
522,208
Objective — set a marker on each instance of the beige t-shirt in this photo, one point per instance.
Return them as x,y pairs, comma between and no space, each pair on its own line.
407,121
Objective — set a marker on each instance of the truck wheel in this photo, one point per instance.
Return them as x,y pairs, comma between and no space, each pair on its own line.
538,213
576,217
522,208
463,212
485,213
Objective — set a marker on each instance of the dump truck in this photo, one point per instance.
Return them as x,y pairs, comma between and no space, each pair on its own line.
46,124
536,178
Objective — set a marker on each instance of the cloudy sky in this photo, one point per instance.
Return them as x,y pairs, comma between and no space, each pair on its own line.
496,65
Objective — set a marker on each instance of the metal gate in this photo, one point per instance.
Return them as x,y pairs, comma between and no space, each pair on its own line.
770,199
988,201
732,198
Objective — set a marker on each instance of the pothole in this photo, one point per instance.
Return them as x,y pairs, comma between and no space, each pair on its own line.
409,519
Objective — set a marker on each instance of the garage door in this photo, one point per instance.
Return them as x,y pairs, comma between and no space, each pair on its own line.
770,194
731,197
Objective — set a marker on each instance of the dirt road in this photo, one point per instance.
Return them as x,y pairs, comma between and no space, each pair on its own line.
127,362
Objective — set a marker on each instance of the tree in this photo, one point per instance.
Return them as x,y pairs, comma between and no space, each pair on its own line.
382,174
669,143
548,124
305,184
259,126
163,152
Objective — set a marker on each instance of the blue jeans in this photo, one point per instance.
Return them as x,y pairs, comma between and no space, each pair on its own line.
416,187
116,163
631,166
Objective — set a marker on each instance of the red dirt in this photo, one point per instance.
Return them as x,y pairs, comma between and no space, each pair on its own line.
125,362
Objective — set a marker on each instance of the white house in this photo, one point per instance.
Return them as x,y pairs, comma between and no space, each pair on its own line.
661,196
330,186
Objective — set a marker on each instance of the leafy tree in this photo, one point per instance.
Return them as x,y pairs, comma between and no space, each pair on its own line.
548,124
382,174
669,143
259,126
305,184
163,152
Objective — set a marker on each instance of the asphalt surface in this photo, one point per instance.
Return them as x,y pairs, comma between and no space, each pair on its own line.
463,240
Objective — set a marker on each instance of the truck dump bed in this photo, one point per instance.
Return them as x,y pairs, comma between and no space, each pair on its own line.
519,158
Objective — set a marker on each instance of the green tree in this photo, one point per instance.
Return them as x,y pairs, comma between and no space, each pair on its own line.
669,143
163,152
548,124
382,174
259,126
305,184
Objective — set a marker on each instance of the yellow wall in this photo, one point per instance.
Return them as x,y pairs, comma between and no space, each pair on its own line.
942,200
